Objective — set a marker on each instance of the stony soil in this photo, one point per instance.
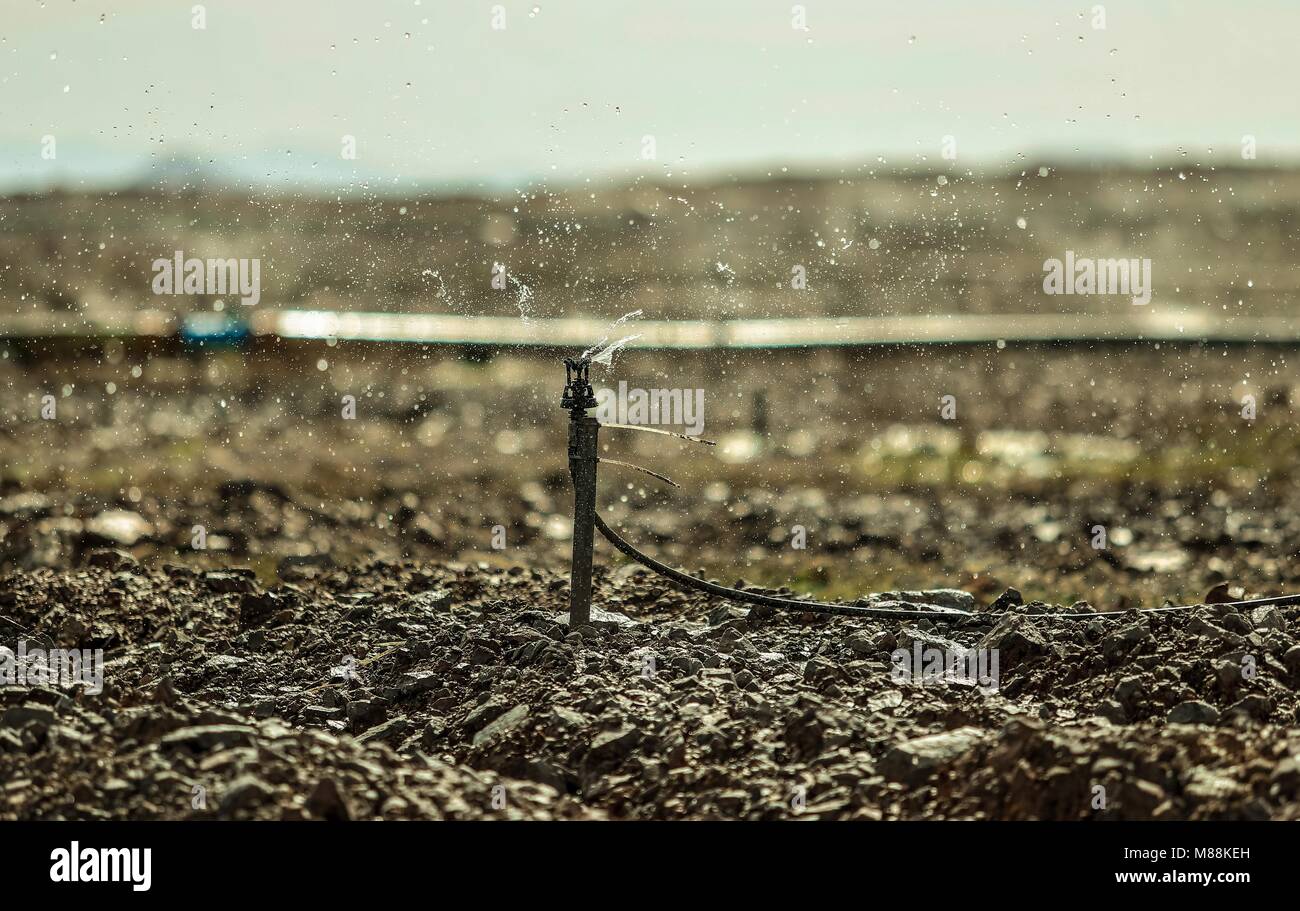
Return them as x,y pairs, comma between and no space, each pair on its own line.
414,690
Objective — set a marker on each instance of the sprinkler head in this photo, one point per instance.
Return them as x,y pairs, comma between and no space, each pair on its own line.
578,394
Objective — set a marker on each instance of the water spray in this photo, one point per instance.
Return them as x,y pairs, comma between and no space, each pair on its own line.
579,399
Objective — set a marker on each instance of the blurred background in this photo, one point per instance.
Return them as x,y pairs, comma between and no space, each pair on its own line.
677,159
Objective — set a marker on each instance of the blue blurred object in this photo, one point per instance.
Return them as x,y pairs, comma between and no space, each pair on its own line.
214,330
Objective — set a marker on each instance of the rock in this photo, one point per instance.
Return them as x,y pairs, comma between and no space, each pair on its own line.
1016,640
426,529
1237,623
808,734
612,746
1140,797
1007,600
1292,660
1128,689
1268,618
433,733
255,609
438,599
1286,775
820,671
1228,673
947,598
1193,712
1124,642
1254,706
26,507
1112,711
483,714
391,730
319,714
17,716
760,614
566,718
884,641
503,725
915,760
245,792
1164,559
119,527
302,566
206,737
907,635
546,773
1221,594
1204,785
327,801
219,663
685,665
363,712
861,644
1201,627
601,619
732,802
229,583
112,560
412,683
481,653
722,613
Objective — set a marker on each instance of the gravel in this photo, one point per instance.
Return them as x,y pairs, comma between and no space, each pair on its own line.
479,704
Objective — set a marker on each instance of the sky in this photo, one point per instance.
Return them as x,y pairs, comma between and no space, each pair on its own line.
434,93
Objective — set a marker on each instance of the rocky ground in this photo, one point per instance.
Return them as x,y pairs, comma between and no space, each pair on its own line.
398,691
350,643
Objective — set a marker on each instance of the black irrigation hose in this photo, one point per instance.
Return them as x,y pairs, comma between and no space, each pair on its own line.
685,580
694,583
1249,602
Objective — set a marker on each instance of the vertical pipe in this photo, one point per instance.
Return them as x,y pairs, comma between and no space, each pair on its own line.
582,468
760,412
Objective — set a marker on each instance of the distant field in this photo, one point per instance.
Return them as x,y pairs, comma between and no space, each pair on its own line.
870,245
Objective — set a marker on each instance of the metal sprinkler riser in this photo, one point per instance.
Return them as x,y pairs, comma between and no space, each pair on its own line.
578,399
